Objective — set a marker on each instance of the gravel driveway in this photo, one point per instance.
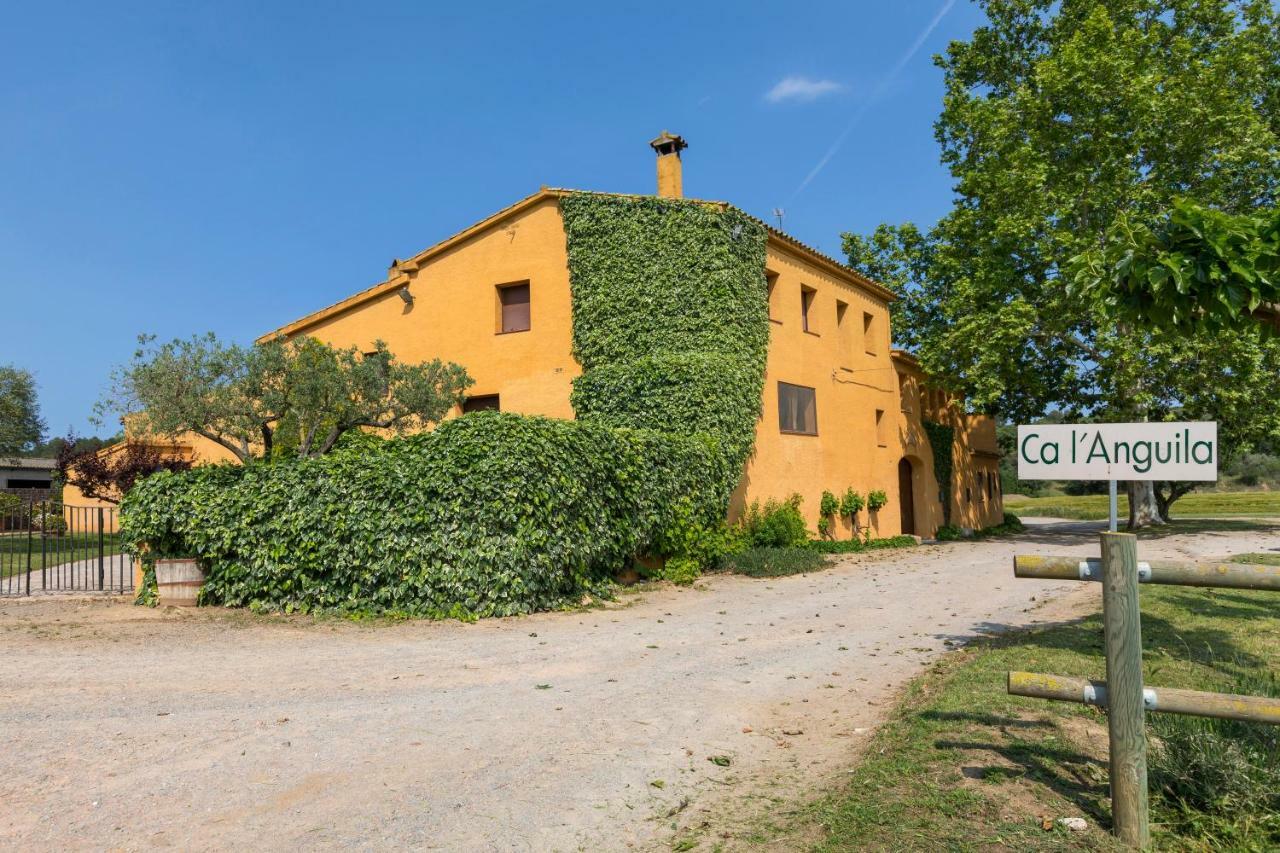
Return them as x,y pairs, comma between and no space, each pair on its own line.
130,728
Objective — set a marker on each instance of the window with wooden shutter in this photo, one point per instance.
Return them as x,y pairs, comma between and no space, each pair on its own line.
513,307
797,409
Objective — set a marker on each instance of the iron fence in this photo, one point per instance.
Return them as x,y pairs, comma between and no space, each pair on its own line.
46,546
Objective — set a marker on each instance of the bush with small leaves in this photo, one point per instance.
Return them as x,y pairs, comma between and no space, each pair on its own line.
778,524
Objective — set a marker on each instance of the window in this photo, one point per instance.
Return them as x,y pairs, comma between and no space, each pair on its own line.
841,308
807,295
484,402
882,429
513,307
968,495
771,281
904,392
29,484
991,486
797,409
869,332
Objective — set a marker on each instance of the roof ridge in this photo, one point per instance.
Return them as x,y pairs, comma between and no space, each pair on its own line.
398,274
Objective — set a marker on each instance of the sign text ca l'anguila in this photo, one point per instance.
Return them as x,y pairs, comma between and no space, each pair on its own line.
1145,451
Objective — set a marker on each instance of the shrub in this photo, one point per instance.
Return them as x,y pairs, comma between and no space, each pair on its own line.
851,504
827,509
778,525
1220,779
11,505
949,533
773,562
682,570
877,500
491,514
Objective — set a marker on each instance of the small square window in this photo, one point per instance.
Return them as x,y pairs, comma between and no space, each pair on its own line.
882,429
513,307
807,319
869,332
797,409
481,403
842,308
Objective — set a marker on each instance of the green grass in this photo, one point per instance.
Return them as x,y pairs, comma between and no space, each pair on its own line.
773,562
57,549
1094,507
964,766
1270,559
857,546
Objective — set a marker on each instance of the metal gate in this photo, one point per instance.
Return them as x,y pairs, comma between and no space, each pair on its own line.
48,547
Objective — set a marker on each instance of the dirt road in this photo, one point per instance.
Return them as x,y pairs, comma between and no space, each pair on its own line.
130,728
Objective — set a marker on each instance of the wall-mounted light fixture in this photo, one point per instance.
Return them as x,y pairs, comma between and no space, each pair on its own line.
405,295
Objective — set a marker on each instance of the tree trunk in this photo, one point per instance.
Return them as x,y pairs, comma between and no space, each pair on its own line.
1144,508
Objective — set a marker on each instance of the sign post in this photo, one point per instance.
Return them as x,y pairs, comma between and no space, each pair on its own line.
1112,526
1111,452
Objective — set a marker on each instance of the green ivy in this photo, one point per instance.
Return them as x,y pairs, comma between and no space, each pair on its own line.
495,514
671,318
491,514
941,440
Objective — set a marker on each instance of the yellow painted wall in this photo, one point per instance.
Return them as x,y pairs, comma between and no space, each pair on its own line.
454,315
854,375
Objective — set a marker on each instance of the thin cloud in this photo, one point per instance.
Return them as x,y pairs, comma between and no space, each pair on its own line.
879,90
797,88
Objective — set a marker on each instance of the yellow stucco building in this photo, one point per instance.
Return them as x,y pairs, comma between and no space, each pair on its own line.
841,408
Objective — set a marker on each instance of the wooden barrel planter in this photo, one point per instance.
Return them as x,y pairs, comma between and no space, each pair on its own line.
178,582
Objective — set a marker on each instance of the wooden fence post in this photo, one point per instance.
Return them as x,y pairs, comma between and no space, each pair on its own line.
1126,724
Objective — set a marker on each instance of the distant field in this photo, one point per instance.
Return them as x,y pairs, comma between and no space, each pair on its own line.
1204,504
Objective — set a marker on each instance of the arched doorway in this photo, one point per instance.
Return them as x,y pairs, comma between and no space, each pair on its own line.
906,496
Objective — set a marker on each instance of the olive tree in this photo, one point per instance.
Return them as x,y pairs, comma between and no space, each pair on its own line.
280,398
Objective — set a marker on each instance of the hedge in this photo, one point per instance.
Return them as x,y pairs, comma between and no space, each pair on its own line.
489,515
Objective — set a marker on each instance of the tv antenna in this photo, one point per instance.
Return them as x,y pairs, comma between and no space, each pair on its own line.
778,213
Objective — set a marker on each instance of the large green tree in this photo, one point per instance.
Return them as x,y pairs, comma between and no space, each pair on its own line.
1060,120
281,398
21,427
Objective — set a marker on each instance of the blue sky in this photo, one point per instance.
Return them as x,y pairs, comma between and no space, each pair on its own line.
173,168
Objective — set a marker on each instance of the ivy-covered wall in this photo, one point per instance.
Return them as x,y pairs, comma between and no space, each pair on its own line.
496,514
670,318
941,441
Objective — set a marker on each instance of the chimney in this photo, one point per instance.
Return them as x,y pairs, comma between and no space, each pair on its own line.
670,180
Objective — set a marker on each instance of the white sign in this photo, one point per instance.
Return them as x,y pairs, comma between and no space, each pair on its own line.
1155,451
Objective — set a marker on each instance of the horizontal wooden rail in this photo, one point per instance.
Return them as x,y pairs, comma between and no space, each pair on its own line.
1223,575
1226,706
